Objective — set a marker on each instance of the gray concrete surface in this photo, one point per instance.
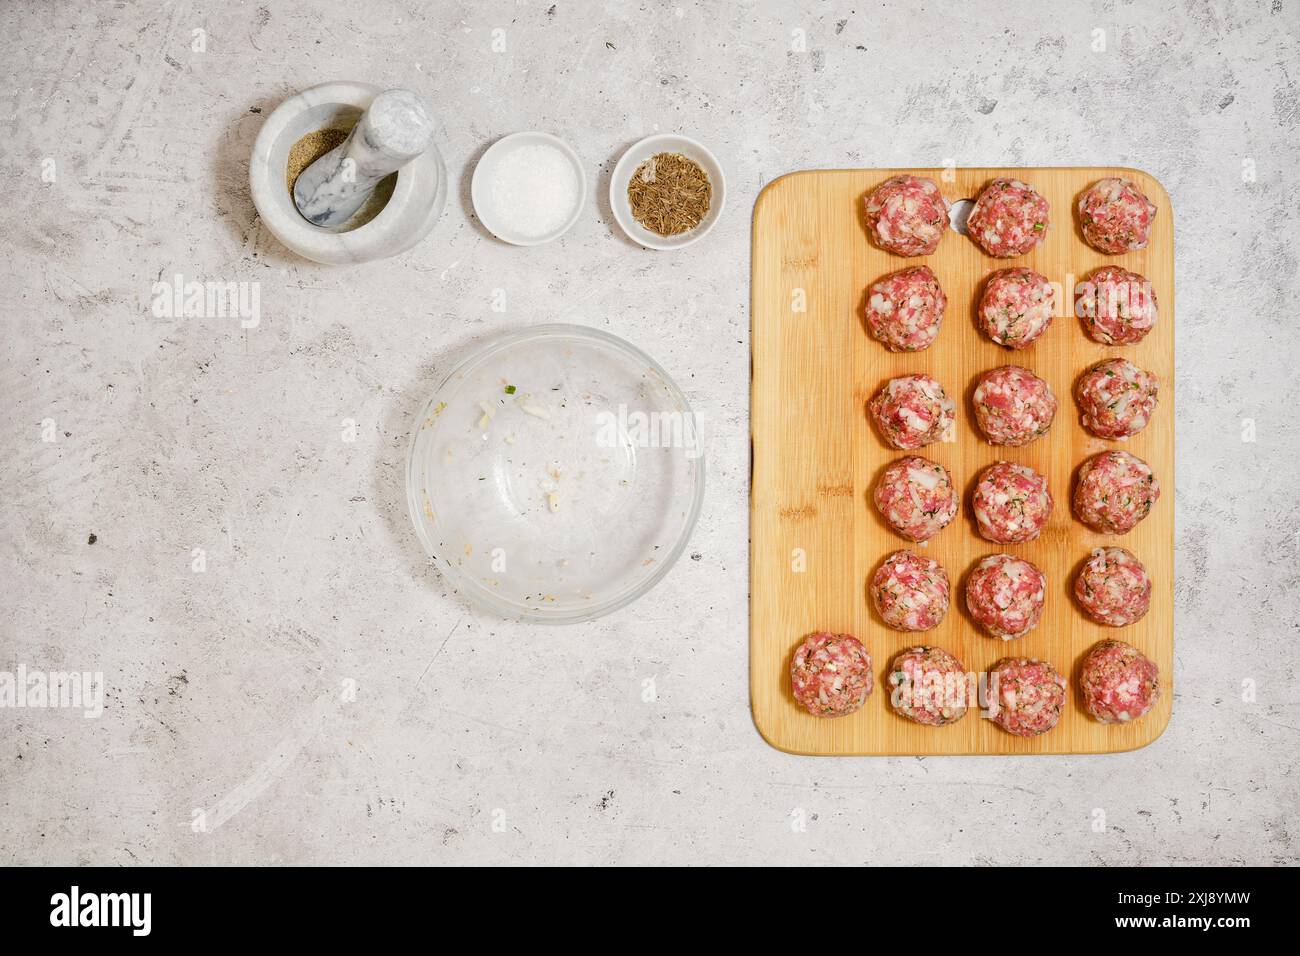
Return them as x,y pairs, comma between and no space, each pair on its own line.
226,736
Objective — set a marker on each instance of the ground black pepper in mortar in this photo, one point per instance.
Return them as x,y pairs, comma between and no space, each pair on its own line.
310,148
669,194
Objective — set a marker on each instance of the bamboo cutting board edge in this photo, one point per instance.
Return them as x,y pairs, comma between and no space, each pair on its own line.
1130,736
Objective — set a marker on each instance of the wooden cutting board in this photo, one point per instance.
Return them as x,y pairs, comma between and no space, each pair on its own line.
815,537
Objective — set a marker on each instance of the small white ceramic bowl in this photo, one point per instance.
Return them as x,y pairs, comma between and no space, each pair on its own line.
639,153
501,227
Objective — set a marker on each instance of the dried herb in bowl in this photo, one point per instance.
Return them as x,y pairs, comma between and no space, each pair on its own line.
669,194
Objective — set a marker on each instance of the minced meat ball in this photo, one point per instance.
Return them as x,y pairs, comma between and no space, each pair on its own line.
1116,490
1029,695
1016,307
912,411
1117,398
1013,406
1009,218
1005,595
1119,682
1116,217
1011,503
1113,587
930,686
831,674
911,592
1117,307
916,497
905,309
907,215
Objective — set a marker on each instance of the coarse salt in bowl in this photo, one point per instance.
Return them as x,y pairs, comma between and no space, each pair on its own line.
528,188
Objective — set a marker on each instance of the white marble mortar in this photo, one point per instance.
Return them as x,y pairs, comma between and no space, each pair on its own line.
417,201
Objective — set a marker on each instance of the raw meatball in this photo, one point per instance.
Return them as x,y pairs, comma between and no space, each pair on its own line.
930,686
1115,217
1117,398
916,497
831,674
1009,218
910,592
912,411
905,309
1029,695
1118,307
1005,595
907,215
1116,490
1119,682
1013,406
1017,307
1011,503
1113,587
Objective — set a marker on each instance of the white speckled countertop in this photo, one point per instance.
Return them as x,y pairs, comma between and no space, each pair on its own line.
313,694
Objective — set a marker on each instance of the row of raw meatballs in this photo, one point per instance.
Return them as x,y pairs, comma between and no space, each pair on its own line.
1011,502
907,215
1014,407
904,310
831,676
1006,594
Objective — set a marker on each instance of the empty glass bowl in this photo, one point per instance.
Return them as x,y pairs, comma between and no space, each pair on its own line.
555,475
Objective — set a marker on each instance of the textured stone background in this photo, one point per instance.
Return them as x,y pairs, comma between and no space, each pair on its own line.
223,686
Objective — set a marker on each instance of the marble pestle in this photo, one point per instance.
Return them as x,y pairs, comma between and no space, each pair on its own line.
395,129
